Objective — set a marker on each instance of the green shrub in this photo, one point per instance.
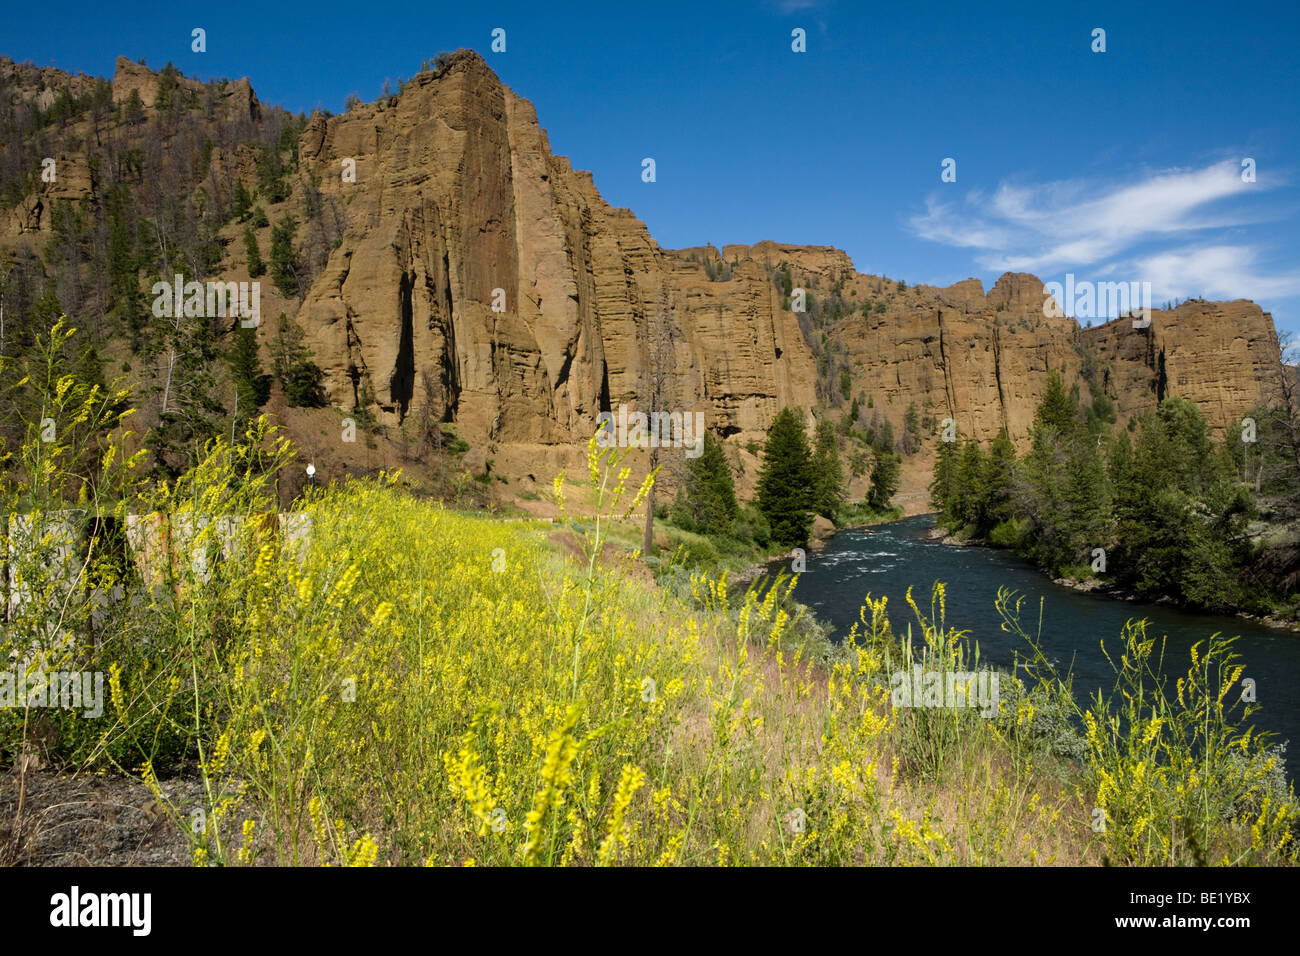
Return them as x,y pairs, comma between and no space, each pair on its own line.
1009,533
752,526
690,550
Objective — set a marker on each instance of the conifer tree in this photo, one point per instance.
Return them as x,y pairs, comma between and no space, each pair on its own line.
1056,411
706,500
271,175
1066,491
911,430
284,260
1180,515
256,266
945,473
123,283
189,412
293,367
884,479
252,387
967,504
855,409
828,472
883,437
785,480
997,482
243,202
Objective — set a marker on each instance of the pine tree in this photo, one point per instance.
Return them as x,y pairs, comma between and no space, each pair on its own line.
284,260
967,505
293,367
706,500
1057,410
1180,515
123,283
271,175
1086,519
252,387
883,440
133,111
998,482
190,414
1066,491
911,430
169,95
828,473
785,480
289,140
944,476
859,463
243,202
884,479
256,266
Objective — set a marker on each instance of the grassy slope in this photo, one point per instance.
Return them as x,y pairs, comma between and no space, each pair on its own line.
409,684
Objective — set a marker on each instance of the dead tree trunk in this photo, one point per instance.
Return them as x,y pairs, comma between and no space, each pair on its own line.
660,352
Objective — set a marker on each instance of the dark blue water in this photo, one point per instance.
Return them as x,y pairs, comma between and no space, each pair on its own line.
888,558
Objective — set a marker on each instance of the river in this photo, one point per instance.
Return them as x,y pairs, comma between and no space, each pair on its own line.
886,559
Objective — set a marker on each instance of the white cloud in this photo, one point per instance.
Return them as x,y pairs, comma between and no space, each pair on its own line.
1216,272
941,224
1073,224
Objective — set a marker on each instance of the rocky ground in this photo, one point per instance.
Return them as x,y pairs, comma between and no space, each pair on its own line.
71,819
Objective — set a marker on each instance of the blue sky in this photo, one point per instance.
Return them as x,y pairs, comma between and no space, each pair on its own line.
1122,165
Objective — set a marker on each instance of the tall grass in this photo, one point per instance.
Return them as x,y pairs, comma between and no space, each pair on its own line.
378,679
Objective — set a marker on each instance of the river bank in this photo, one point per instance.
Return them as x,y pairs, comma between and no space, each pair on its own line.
885,561
1104,589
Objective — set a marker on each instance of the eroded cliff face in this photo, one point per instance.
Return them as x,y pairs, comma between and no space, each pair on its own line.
1221,355
234,99
482,281
459,204
955,353
457,195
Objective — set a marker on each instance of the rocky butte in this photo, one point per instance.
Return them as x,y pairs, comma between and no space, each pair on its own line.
458,194
457,204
